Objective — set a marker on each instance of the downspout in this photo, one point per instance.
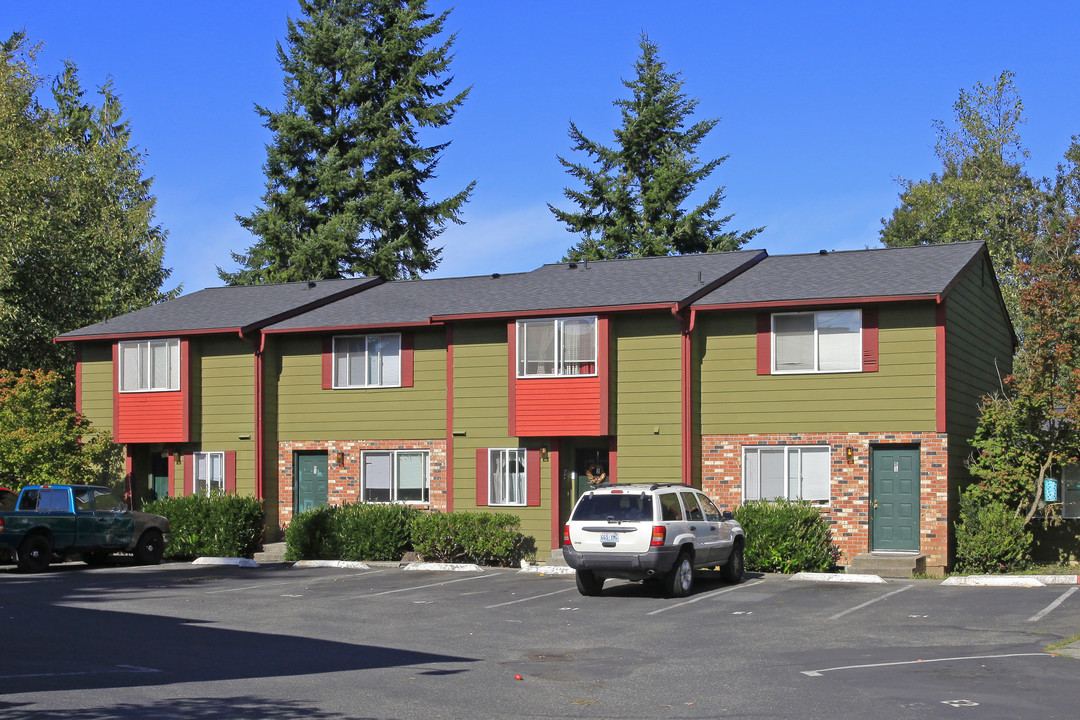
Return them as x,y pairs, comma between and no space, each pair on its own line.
257,351
689,320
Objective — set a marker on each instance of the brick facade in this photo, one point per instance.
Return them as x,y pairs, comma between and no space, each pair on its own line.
343,483
848,510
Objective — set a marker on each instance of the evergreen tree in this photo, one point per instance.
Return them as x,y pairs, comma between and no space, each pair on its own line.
346,168
632,203
77,238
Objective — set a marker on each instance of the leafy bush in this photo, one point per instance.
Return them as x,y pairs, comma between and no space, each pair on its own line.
215,526
786,536
990,537
372,532
310,536
484,538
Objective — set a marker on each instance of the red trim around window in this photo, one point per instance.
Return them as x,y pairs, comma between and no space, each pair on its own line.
406,360
603,352
327,362
481,477
189,474
940,389
172,474
556,510
230,471
764,343
532,478
185,390
511,380
870,340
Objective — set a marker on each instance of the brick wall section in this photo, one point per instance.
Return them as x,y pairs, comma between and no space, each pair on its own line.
344,479
849,508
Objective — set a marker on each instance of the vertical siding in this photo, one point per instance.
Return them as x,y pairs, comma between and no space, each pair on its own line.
97,385
223,401
900,396
307,412
647,391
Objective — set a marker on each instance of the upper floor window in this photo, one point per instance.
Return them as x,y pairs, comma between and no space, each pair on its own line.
786,471
556,347
825,341
149,365
367,361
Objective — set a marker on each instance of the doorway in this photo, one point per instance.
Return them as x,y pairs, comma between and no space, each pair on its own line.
159,477
312,486
894,498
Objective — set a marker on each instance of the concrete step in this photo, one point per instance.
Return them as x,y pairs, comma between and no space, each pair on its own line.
555,559
894,565
271,553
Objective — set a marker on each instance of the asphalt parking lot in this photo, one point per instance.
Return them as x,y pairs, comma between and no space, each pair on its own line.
186,641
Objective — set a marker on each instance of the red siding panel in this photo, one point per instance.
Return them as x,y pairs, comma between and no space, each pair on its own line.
230,471
406,360
559,406
151,417
532,478
481,477
764,344
870,340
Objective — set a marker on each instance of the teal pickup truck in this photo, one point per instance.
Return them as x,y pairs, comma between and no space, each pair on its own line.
54,521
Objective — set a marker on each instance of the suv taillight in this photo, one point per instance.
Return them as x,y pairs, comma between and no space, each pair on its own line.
659,534
565,534
1,524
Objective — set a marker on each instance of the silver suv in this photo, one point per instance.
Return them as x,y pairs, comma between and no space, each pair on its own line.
660,532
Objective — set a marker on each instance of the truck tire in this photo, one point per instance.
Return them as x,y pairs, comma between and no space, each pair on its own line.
35,553
150,548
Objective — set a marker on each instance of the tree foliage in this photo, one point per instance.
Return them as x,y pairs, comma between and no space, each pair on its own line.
78,243
1032,428
346,168
41,442
633,203
982,192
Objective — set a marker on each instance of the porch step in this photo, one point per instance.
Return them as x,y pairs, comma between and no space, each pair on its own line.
271,553
894,565
556,558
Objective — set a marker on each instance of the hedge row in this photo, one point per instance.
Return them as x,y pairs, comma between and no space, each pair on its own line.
215,526
786,536
358,531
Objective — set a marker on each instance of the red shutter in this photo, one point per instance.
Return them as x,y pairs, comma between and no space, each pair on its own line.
481,477
230,472
870,340
189,474
406,360
172,474
764,344
532,478
327,363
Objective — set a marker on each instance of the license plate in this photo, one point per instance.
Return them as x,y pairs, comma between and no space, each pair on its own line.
609,537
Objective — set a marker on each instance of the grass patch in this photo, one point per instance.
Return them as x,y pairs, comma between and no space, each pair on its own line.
1063,643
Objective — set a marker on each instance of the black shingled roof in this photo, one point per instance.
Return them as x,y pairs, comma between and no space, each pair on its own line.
925,270
222,309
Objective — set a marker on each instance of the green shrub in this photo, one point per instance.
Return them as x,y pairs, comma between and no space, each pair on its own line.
216,526
310,536
484,538
989,537
786,536
372,532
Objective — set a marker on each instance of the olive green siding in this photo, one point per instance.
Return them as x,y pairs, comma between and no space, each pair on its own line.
899,397
305,411
646,369
223,403
97,385
481,403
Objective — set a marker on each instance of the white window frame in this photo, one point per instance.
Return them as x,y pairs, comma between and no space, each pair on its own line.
394,482
146,374
346,355
206,485
561,367
817,340
751,458
514,486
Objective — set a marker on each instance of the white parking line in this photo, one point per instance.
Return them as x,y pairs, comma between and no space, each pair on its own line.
421,587
869,602
534,597
292,582
705,596
118,669
818,673
1049,608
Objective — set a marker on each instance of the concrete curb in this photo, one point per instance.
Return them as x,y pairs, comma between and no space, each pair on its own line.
351,564
547,570
237,562
444,567
838,578
994,581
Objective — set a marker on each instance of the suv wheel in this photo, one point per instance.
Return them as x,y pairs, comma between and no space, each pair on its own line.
681,577
732,571
588,583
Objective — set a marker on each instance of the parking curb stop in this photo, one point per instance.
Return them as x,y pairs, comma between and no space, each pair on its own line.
838,578
350,564
444,567
547,570
238,562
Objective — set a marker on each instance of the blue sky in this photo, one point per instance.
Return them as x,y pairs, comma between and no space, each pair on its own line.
822,105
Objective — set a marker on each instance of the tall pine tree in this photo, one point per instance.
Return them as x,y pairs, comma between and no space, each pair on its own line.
346,168
632,203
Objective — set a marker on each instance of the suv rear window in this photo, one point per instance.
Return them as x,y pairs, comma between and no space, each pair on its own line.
626,507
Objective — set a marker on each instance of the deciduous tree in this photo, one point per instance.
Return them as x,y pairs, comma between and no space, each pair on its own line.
635,194
347,166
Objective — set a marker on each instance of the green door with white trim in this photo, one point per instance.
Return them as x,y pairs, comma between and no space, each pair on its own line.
311,480
894,498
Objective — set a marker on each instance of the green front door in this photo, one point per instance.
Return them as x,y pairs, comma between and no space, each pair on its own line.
894,498
311,481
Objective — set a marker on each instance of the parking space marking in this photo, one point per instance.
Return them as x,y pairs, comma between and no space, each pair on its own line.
534,597
421,587
705,596
839,615
1050,608
818,673
292,582
116,669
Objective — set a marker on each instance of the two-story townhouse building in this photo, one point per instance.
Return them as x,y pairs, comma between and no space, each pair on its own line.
850,378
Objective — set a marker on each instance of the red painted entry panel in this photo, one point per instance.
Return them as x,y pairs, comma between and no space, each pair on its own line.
559,406
150,417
